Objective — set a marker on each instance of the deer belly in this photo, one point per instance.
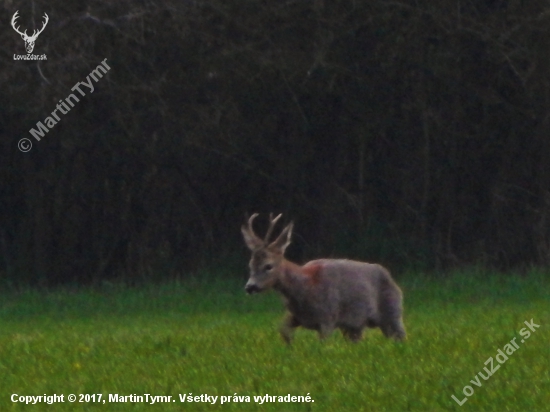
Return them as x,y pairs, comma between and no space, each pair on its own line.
311,319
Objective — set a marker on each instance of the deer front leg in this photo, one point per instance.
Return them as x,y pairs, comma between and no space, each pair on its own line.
352,334
287,329
325,330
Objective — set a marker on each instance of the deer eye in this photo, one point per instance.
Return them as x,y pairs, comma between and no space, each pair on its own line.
268,267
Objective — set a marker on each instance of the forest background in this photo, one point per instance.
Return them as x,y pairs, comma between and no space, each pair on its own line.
411,133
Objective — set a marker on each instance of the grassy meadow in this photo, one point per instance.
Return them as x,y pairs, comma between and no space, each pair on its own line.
204,336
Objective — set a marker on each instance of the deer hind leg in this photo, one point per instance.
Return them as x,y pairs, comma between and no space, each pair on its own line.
287,329
391,319
394,329
398,327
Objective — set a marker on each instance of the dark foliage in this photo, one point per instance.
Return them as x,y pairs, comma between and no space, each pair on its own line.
407,132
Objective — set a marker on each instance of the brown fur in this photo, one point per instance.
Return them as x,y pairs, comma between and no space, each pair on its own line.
313,272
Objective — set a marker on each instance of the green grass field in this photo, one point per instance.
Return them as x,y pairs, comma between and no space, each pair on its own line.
205,336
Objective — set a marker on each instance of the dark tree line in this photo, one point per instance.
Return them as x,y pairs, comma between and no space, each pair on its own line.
415,133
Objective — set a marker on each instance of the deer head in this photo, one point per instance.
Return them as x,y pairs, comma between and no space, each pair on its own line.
29,40
266,264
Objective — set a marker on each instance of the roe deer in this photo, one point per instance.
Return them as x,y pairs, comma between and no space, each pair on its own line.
324,294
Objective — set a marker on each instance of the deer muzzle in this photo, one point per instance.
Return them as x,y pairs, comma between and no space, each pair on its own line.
251,288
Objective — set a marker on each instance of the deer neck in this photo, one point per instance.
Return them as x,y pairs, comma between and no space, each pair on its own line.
292,279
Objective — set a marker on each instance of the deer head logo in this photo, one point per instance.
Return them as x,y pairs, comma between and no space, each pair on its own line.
29,40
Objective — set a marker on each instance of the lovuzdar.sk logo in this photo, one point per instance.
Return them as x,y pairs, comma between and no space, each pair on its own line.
29,40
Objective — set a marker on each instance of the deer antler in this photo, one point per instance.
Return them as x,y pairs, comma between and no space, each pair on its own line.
252,240
272,223
249,227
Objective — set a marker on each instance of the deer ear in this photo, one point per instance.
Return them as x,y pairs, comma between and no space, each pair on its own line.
252,241
284,239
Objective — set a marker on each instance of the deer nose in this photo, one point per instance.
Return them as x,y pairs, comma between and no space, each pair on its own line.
251,288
